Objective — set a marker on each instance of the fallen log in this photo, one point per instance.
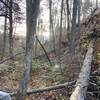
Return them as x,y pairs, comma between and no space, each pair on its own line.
50,88
82,83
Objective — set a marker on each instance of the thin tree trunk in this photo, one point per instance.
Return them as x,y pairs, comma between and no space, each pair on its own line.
53,37
73,28
36,43
68,20
64,23
36,47
68,14
4,35
79,9
96,3
11,33
52,28
50,2
51,25
60,35
78,23
32,8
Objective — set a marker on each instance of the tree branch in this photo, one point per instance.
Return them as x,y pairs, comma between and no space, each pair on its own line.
3,15
50,88
4,3
44,51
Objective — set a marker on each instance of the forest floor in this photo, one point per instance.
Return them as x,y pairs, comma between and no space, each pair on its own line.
45,75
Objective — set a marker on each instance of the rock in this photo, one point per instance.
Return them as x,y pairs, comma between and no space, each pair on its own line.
4,96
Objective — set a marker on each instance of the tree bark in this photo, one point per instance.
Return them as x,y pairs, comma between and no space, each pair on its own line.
32,7
60,35
79,9
82,83
73,28
4,35
52,35
68,21
78,23
11,34
4,39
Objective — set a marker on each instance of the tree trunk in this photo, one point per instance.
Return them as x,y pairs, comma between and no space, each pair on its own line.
32,7
51,26
78,23
96,3
36,48
4,35
11,33
60,35
73,28
82,83
68,20
79,9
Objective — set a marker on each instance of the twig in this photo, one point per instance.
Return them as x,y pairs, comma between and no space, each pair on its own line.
10,57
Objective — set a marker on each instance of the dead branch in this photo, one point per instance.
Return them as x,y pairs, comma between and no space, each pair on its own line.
44,50
50,88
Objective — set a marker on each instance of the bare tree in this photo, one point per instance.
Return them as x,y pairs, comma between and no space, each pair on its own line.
8,9
32,7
